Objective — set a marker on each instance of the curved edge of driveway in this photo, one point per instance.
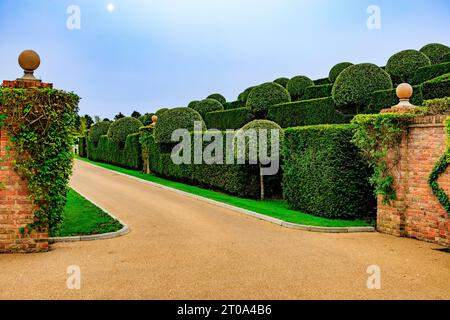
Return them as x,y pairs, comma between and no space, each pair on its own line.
256,215
103,236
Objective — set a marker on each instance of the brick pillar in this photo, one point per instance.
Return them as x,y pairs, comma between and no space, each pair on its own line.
16,208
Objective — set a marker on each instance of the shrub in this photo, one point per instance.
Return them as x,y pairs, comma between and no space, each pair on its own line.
436,52
446,58
438,106
282,81
430,72
384,99
160,112
192,104
316,92
322,81
402,66
228,119
242,98
437,88
305,113
337,70
120,129
146,119
297,86
173,119
208,105
324,174
82,147
351,91
97,130
217,97
233,105
266,95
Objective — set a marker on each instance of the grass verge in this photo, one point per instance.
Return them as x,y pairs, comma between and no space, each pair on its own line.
81,218
273,208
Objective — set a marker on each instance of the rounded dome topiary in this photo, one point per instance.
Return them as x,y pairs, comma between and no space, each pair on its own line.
160,112
207,105
173,119
120,129
436,52
337,70
282,81
192,104
242,98
218,97
266,95
297,86
402,66
353,86
97,130
146,119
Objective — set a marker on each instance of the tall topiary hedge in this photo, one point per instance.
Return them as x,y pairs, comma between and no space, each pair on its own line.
297,86
228,119
430,72
337,70
352,89
403,66
282,81
207,105
324,174
173,119
436,52
217,97
243,96
317,92
120,129
266,95
97,130
160,112
437,88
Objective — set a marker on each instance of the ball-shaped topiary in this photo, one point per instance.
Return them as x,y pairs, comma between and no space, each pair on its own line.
266,95
337,70
353,87
207,105
192,104
402,66
242,98
120,129
97,130
436,52
146,119
160,112
282,81
297,86
173,119
218,97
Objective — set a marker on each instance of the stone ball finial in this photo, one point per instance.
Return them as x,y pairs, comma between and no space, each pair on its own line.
404,91
29,61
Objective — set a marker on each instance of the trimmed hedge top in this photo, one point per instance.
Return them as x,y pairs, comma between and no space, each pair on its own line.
337,70
282,81
192,104
217,97
436,52
266,95
207,105
97,130
352,88
173,119
403,66
120,129
297,86
160,112
242,98
146,119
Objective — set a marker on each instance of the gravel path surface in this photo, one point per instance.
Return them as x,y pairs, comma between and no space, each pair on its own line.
181,248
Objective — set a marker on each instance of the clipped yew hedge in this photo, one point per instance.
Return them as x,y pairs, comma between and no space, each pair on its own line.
437,88
228,119
430,72
403,66
316,92
436,52
384,99
266,95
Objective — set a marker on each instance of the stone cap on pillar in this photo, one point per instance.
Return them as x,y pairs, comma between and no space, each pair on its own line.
404,92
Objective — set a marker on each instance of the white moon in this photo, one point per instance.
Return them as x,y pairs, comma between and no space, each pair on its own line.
110,7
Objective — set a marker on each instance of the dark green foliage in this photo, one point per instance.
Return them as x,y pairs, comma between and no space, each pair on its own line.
324,174
384,99
316,92
120,129
297,86
282,81
266,95
233,105
242,98
217,97
322,81
173,119
305,113
352,89
430,72
403,66
82,147
207,105
337,70
146,119
89,121
119,116
160,112
136,114
446,58
192,104
228,119
97,130
437,106
436,52
437,88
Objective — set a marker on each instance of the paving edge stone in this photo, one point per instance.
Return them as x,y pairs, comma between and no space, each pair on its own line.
256,215
103,236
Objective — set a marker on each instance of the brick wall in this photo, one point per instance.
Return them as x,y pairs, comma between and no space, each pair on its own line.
417,213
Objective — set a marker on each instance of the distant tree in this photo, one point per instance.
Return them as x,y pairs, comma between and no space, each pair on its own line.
89,121
96,119
136,114
119,116
106,120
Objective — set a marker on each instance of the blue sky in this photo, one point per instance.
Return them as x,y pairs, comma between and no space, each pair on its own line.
149,54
